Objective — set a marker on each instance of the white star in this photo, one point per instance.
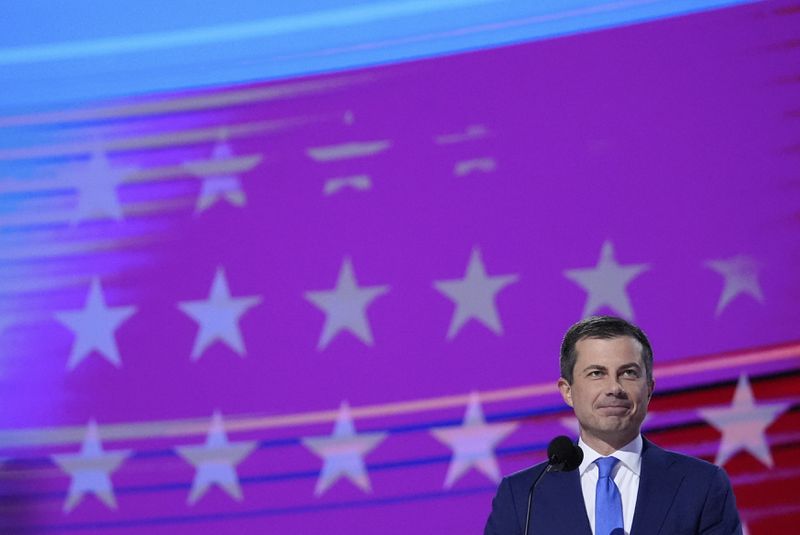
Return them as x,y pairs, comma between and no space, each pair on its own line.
343,452
474,296
345,306
741,277
96,184
94,327
743,425
606,283
473,443
90,470
216,461
219,186
218,316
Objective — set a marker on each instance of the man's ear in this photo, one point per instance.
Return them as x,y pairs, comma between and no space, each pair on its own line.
652,388
566,391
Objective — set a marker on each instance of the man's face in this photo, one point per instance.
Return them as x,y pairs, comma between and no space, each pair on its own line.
609,390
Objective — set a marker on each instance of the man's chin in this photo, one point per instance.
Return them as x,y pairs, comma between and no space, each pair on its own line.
617,427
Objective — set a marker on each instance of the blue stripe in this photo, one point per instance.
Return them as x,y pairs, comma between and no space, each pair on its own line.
508,416
259,513
130,60
220,34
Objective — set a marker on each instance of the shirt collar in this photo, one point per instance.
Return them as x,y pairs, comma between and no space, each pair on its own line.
630,455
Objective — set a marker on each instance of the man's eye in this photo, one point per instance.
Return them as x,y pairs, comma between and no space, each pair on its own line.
631,373
595,373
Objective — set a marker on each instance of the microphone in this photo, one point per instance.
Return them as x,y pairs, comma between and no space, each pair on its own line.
563,455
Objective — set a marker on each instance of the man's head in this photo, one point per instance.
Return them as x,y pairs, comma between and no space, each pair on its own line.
607,378
603,328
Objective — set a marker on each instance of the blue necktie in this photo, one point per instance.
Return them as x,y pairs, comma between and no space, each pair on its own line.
608,502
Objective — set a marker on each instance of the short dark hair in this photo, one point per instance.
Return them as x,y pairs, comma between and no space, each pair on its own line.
603,327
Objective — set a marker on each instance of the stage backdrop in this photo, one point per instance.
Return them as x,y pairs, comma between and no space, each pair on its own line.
333,303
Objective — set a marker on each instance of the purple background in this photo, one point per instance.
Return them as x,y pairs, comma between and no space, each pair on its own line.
674,140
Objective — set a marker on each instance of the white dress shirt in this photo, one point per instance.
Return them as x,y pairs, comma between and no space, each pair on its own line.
625,474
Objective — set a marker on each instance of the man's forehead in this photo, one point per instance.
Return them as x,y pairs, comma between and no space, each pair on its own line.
609,339
597,347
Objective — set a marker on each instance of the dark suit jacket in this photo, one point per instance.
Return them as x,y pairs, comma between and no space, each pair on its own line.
677,494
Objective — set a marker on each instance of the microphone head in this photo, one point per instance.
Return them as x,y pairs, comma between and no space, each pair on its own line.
563,454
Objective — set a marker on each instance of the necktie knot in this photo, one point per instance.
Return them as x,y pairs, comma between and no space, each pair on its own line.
606,465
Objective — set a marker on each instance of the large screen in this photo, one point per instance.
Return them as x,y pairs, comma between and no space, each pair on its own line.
331,299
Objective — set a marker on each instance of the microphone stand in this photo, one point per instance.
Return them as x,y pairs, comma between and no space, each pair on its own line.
548,468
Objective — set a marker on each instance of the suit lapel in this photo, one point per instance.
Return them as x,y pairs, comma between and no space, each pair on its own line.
559,506
658,486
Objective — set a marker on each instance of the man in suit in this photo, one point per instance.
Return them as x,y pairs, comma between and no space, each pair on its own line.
625,484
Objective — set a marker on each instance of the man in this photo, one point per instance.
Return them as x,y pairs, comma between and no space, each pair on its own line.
625,484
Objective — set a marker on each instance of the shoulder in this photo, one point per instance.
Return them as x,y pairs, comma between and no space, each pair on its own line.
510,503
519,483
691,467
527,476
651,451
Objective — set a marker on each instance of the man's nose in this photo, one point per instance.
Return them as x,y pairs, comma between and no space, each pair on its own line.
615,388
